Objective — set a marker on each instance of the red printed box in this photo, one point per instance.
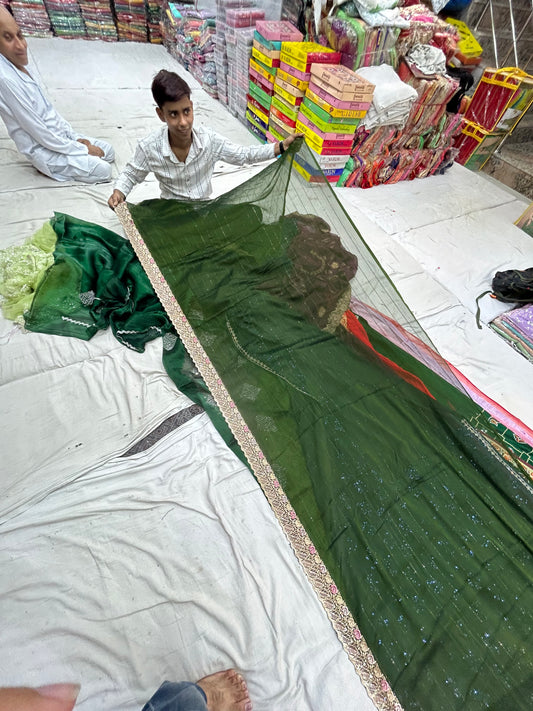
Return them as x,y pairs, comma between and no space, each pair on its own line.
281,31
302,54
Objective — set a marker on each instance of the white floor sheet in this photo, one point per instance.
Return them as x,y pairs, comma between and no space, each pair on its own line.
122,572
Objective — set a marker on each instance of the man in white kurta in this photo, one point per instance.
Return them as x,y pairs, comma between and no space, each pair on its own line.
39,132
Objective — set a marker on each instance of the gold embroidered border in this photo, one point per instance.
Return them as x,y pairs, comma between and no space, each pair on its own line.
349,634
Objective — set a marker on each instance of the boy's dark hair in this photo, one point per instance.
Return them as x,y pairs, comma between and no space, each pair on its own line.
168,86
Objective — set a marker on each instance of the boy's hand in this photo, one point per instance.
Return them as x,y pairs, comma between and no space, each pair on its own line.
93,150
116,198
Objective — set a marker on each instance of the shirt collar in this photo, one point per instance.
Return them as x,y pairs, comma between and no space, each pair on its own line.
168,152
11,67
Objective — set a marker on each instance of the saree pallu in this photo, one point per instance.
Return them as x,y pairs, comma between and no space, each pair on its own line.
414,533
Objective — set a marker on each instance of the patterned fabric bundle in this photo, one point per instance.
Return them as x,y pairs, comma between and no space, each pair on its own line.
516,327
66,18
98,18
131,20
32,17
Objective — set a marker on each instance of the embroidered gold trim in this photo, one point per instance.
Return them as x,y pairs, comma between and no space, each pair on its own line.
336,609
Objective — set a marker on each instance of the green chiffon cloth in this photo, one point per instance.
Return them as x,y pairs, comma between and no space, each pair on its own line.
426,532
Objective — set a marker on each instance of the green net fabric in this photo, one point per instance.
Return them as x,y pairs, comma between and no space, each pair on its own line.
424,530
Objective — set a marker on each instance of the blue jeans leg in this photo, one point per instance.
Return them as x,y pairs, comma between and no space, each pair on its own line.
182,696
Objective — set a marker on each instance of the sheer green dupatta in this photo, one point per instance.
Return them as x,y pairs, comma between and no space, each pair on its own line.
413,533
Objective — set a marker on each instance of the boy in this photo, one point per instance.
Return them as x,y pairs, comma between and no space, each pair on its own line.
181,157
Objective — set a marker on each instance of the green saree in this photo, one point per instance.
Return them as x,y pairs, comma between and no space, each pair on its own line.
415,535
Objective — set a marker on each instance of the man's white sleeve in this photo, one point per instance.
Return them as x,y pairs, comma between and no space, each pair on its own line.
134,172
24,115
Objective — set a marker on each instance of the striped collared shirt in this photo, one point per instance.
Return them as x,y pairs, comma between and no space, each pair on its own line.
190,180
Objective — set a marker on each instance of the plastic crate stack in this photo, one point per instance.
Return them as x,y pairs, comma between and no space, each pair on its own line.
335,102
131,20
98,18
499,102
154,9
66,18
32,17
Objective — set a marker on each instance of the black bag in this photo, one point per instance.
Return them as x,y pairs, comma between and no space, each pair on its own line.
513,286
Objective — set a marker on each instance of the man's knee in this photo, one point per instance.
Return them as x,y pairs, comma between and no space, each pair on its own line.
99,171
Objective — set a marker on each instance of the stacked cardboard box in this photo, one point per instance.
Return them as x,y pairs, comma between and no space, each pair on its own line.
335,102
264,66
291,83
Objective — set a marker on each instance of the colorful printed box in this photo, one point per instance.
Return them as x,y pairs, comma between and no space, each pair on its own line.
265,59
330,162
280,116
259,95
281,127
302,54
289,98
315,93
323,145
285,107
298,93
257,109
323,115
347,85
268,73
291,79
269,44
303,76
262,83
324,126
278,30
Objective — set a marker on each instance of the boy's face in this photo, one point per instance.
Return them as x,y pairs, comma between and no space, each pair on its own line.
179,117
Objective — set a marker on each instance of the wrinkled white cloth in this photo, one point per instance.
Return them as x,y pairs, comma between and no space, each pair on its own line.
42,135
392,99
428,59
189,180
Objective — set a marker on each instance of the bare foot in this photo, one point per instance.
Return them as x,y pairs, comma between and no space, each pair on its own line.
226,691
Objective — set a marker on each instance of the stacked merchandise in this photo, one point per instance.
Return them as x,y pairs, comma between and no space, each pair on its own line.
131,20
202,54
424,27
290,86
66,18
335,101
416,145
516,327
360,44
233,17
169,31
98,18
239,40
469,51
153,11
499,102
264,67
32,17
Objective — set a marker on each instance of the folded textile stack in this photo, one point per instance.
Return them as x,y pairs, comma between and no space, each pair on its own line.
131,20
98,18
500,100
239,42
426,28
516,327
392,99
32,17
360,44
154,9
66,18
202,55
231,16
335,101
434,88
169,31
291,82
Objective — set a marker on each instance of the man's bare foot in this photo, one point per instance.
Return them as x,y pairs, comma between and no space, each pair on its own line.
226,691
